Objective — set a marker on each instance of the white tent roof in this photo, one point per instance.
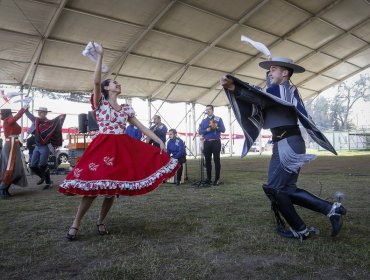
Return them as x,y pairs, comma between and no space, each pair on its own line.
177,50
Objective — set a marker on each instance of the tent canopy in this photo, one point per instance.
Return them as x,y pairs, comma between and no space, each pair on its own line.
177,50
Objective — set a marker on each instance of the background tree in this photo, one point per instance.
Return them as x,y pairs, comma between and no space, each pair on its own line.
348,95
320,110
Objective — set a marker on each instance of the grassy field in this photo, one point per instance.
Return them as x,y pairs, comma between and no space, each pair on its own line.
224,232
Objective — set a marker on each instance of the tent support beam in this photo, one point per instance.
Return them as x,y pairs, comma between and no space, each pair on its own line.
122,59
200,54
37,54
277,41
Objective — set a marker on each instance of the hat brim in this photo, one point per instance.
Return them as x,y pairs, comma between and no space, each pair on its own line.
268,63
42,111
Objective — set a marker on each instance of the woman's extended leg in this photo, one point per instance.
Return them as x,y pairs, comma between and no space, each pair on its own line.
106,206
85,204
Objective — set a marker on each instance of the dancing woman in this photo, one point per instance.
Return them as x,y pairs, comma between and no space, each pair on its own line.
12,170
114,163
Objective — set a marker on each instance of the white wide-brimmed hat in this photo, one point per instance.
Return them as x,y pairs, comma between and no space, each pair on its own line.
42,109
281,61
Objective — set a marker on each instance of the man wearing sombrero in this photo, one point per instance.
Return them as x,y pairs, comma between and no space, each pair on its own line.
48,135
279,108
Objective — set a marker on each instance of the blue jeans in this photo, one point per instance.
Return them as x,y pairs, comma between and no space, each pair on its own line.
40,156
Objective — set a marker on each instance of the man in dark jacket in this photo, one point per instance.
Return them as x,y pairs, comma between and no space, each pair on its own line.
176,149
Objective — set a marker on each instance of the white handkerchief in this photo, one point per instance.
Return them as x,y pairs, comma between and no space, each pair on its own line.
259,46
10,95
24,100
90,52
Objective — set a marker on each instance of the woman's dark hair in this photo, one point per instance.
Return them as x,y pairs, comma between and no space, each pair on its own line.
104,84
174,131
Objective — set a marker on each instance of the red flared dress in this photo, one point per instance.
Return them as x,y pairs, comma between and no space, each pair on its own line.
116,164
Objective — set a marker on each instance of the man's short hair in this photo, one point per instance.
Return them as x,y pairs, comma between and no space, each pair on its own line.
157,116
290,71
173,130
210,106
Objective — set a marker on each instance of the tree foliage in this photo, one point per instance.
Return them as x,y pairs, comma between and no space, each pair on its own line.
348,95
335,113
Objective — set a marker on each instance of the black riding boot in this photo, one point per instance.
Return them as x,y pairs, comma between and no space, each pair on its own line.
45,171
334,211
7,191
3,192
284,205
38,172
308,200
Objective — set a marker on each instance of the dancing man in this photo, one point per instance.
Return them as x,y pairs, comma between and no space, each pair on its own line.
159,129
279,109
211,128
176,149
11,163
48,136
114,163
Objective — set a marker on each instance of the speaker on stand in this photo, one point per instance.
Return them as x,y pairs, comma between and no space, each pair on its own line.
91,121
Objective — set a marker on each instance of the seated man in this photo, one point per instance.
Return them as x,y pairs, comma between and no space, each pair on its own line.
176,149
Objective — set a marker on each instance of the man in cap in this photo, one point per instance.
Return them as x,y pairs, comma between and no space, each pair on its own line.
279,109
48,135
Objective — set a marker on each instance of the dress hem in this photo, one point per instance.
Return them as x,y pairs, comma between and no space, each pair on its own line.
108,187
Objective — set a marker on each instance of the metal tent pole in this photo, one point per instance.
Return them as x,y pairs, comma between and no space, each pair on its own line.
194,129
230,131
186,125
22,120
149,111
189,129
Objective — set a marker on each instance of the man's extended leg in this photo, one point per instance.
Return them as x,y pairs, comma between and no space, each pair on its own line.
43,164
216,150
34,166
208,158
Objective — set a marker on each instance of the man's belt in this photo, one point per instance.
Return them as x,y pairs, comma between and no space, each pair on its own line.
211,139
281,132
12,136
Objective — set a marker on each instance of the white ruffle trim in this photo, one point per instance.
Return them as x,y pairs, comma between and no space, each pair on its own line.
123,185
290,160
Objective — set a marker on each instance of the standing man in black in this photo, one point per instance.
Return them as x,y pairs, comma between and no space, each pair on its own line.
211,128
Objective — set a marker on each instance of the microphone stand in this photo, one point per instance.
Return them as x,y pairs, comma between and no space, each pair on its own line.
201,183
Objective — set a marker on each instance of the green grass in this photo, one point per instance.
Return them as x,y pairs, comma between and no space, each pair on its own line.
224,232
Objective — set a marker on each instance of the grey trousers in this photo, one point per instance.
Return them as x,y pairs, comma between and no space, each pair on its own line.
281,188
